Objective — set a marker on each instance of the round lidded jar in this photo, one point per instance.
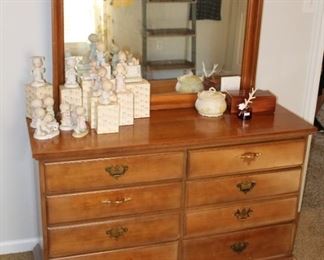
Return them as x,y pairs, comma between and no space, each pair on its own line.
211,103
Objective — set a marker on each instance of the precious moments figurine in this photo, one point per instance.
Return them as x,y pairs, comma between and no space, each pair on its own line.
81,128
38,71
120,75
71,73
66,117
93,38
46,125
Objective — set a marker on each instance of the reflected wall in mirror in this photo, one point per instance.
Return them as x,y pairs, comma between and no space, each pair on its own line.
171,32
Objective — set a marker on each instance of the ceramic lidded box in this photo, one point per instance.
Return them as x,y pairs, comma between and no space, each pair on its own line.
211,103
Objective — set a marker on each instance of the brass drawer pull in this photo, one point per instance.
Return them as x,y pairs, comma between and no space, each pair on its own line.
246,186
116,202
243,213
250,157
239,247
116,232
117,171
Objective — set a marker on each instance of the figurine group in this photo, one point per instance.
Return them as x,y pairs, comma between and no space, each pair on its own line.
103,93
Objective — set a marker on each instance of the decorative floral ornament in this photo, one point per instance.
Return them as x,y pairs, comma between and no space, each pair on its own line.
245,105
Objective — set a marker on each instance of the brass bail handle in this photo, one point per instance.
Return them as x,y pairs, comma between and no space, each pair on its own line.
116,171
116,232
244,213
239,247
117,202
246,186
250,156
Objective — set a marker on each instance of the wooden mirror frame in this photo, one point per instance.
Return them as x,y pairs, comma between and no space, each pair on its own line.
250,49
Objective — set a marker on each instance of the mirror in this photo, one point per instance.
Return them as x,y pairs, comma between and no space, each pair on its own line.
239,42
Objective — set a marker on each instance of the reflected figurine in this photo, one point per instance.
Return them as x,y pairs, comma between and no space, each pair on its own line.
71,73
93,38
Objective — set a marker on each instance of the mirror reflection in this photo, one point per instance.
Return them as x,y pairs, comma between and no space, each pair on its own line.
167,38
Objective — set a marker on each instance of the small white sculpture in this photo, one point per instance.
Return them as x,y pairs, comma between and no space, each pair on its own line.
108,96
122,58
100,54
245,104
114,53
93,38
120,75
46,126
35,104
49,103
71,73
38,71
101,77
66,117
81,128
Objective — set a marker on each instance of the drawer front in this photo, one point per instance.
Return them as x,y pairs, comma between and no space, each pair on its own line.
168,251
114,234
251,244
100,173
240,216
100,204
235,188
244,158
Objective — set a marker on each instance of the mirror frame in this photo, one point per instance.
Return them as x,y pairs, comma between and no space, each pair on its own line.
250,49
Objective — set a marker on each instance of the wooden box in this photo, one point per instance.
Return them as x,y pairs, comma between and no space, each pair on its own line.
265,101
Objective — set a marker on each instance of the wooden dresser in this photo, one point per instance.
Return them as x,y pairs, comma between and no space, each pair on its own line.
175,186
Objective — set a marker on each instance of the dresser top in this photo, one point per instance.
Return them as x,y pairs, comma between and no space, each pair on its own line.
173,130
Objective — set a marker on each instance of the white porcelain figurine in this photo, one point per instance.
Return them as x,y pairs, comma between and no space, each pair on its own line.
35,104
71,72
48,104
38,71
81,128
66,118
120,75
100,54
46,126
93,38
107,96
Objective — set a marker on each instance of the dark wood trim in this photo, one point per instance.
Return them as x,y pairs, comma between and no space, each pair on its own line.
251,43
250,53
57,48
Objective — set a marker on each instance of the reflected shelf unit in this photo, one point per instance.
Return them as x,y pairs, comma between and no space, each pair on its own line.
176,64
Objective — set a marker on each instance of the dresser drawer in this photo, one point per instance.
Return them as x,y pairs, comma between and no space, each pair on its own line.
108,203
239,216
251,244
244,158
114,234
235,188
100,173
167,251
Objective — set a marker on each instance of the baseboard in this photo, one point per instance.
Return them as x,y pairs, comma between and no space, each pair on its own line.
17,246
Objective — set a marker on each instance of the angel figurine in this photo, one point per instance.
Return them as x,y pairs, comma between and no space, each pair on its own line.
38,71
